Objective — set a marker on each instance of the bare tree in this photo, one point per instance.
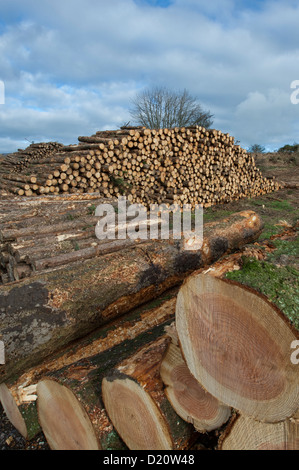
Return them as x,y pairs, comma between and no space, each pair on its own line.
161,108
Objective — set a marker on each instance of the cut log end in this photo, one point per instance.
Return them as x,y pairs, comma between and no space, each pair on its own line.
12,411
237,345
64,421
248,434
188,398
135,412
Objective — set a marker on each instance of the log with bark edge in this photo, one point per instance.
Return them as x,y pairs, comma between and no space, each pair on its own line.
54,307
135,401
245,433
190,401
237,345
19,397
81,383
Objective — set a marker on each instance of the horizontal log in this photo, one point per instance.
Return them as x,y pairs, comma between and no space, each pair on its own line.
54,307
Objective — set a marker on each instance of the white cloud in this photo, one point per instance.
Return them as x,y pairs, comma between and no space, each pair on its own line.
71,67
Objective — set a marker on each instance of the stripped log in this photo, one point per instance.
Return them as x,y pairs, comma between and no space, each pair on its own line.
237,344
54,307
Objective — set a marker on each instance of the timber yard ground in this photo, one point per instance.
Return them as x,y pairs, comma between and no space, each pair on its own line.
280,213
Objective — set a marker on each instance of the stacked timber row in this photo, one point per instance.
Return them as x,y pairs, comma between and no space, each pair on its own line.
20,160
190,165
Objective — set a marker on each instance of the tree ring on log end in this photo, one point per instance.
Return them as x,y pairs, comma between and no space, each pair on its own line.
136,418
64,421
237,345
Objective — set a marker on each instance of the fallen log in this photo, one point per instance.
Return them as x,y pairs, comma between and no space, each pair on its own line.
237,344
52,308
19,397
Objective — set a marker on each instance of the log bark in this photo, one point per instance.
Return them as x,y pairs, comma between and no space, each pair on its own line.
55,307
19,397
237,345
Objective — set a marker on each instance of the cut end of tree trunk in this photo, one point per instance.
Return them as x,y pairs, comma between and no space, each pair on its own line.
135,415
12,411
238,346
248,434
190,401
64,421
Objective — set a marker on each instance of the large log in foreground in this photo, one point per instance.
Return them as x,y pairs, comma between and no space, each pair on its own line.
238,346
52,308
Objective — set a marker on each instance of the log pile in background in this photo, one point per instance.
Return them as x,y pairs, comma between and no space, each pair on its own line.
181,165
20,160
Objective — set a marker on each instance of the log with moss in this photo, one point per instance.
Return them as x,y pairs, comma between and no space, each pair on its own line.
41,314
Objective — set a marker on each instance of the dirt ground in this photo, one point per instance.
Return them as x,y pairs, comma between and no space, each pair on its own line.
278,211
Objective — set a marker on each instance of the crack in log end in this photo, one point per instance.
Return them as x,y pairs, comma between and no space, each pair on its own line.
185,262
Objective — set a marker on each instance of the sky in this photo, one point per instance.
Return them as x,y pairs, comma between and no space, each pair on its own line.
71,68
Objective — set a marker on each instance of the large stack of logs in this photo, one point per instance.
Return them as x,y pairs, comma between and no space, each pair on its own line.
114,352
68,325
206,367
60,281
181,165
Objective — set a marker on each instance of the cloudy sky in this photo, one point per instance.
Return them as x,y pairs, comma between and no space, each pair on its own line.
71,67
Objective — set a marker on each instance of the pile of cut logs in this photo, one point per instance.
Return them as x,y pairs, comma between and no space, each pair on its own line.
143,349
190,165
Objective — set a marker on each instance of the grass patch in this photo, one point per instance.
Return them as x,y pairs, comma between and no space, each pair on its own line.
279,284
209,214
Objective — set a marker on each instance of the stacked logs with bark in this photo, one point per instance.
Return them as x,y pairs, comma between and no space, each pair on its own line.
227,367
207,363
68,327
181,165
